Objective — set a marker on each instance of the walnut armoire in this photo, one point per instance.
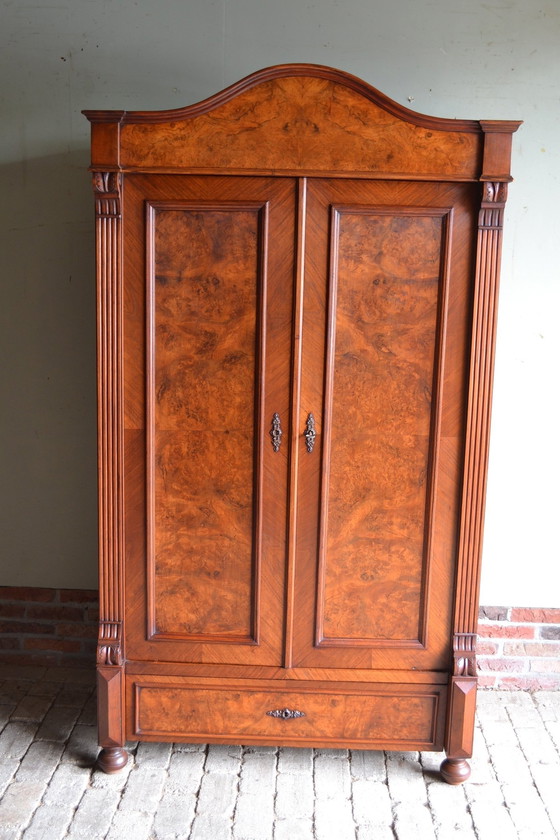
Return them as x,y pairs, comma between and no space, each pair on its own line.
297,288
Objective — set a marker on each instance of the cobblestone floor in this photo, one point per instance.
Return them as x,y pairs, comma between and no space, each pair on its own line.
49,791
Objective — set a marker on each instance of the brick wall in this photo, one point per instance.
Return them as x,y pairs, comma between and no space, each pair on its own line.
518,647
48,626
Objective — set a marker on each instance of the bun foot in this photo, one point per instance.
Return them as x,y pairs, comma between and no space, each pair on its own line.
112,759
455,770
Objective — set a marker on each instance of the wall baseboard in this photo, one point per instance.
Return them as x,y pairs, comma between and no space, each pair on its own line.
518,647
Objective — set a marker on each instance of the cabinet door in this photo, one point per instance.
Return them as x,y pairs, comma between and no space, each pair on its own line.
207,337
383,373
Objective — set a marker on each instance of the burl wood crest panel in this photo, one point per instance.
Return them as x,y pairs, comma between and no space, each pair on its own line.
297,291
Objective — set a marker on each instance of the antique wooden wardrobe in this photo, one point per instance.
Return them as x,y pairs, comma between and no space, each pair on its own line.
297,285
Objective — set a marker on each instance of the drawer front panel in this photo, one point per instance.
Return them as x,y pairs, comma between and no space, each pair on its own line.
384,717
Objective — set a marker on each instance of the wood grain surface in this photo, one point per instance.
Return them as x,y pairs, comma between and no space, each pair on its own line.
409,717
205,378
296,245
214,310
385,286
303,123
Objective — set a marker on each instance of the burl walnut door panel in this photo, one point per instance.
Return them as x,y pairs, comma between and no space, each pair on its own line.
209,290
376,524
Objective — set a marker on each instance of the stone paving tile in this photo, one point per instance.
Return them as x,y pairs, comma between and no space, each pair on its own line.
368,764
547,782
174,816
371,804
32,707
254,815
413,819
67,785
135,825
295,761
294,829
490,816
375,832
5,714
88,715
258,772
334,819
48,688
82,745
223,758
294,797
19,803
8,770
73,696
185,772
450,811
95,812
332,777
40,761
49,822
405,777
548,704
58,724
144,789
153,754
16,739
50,791
528,812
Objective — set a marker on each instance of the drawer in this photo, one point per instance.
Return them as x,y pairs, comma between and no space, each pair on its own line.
402,717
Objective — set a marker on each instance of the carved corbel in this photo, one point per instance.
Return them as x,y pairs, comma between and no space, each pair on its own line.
107,189
494,198
464,655
109,645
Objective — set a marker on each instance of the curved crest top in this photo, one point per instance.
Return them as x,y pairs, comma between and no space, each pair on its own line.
300,119
283,71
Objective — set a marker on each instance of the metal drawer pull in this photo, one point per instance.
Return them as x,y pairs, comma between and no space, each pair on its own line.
276,432
310,434
285,714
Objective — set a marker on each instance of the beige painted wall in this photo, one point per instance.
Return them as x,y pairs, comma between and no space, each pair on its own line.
450,58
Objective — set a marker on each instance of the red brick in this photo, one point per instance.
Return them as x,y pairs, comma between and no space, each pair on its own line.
536,615
56,612
77,631
24,658
26,593
494,613
546,666
81,661
52,644
531,649
79,596
486,648
12,610
506,631
529,683
9,644
485,681
501,664
92,614
18,627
